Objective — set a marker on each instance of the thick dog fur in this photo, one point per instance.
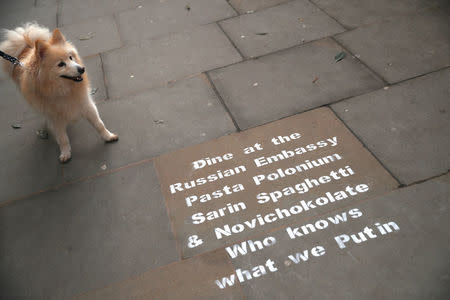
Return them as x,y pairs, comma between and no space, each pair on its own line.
52,80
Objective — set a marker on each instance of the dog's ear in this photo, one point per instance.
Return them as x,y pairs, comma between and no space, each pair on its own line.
57,37
41,47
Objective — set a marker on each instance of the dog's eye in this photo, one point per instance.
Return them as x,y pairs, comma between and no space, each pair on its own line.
70,57
61,64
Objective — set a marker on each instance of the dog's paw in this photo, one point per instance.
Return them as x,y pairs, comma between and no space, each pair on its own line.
112,138
65,157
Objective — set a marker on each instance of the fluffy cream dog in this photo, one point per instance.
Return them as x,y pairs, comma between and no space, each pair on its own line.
53,81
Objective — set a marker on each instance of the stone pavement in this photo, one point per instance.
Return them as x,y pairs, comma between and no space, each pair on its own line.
251,162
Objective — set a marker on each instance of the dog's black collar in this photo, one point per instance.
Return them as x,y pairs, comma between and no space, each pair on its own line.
10,58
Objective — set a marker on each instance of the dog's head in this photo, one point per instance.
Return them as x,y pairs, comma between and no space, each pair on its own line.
58,59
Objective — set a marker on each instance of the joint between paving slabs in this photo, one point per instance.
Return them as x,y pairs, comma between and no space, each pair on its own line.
232,7
399,182
222,102
345,98
371,91
385,82
232,43
104,77
58,13
115,17
420,75
258,10
336,20
402,185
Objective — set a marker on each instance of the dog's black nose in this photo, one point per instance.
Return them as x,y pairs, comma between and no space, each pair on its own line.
81,70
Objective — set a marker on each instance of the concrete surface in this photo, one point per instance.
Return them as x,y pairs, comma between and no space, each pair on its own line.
356,13
160,18
302,78
416,45
406,126
93,36
279,27
155,62
96,78
178,83
250,6
71,257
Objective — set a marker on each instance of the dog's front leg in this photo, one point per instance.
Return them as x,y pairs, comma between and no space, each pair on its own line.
59,129
91,114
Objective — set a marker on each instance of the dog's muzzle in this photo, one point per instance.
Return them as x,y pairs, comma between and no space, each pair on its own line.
74,78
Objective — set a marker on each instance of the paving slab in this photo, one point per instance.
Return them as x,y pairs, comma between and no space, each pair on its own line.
187,279
249,6
156,62
44,15
94,68
356,13
408,125
84,236
291,81
28,164
93,36
279,27
162,120
399,250
45,2
227,190
80,10
402,48
6,7
159,18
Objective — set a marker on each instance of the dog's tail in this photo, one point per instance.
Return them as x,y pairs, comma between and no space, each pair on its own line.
16,40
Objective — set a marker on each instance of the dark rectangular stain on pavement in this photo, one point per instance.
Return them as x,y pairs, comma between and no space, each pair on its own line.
308,164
